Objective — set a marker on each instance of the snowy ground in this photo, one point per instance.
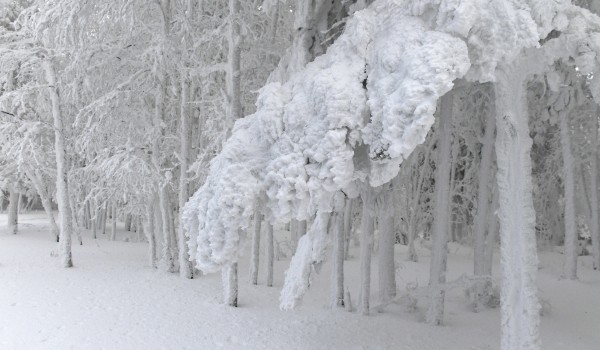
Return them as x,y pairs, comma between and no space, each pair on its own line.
113,300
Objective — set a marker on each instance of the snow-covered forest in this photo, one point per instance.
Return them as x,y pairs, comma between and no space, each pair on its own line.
299,174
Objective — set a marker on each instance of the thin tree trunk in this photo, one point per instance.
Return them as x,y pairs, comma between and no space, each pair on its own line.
104,218
270,254
387,240
13,211
76,226
230,282
439,235
165,206
151,234
62,184
366,248
339,239
570,265
113,231
186,269
234,60
348,225
94,221
294,234
492,235
482,215
128,219
256,247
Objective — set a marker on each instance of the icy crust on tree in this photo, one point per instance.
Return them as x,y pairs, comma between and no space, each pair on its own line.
356,112
299,147
409,68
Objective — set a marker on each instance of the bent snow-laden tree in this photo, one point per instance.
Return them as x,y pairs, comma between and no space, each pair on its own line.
354,114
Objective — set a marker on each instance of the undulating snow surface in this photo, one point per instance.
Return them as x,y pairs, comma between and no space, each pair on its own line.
112,300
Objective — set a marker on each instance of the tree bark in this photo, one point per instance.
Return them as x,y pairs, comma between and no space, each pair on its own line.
519,301
234,59
366,248
339,239
387,240
348,225
13,211
230,283
439,235
62,183
165,206
570,265
270,254
151,234
258,217
113,230
482,215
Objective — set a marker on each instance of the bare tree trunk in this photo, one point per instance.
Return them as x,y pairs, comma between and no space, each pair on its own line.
151,234
258,217
366,248
13,211
483,200
234,59
270,254
165,206
128,219
62,184
294,235
104,218
94,220
113,231
439,235
570,265
348,225
387,240
490,242
339,238
230,283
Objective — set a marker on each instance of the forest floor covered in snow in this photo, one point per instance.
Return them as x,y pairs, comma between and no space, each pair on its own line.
111,299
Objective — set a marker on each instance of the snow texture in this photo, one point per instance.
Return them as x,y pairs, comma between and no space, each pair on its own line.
353,114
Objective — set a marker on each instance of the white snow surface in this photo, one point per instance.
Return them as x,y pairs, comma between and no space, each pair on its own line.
111,300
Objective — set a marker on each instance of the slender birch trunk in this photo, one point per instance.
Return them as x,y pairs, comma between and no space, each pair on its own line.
62,184
482,215
151,234
234,60
348,226
337,273
104,218
490,242
387,240
270,254
570,265
258,217
94,221
366,248
439,235
113,230
165,206
13,211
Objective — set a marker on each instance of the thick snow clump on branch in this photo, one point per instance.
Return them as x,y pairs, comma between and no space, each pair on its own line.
355,113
